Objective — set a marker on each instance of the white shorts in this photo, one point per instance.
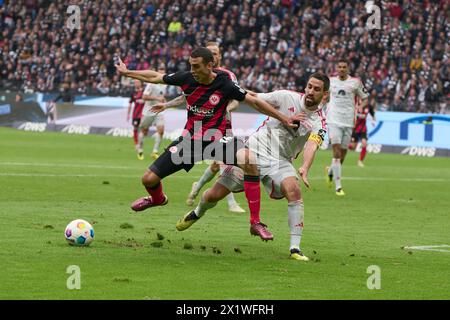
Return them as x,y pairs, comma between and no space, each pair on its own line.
340,135
152,120
232,178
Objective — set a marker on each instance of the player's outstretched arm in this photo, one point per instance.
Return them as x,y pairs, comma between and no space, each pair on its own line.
265,108
159,107
150,76
309,153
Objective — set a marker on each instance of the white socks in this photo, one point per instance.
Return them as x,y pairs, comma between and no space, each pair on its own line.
295,219
203,206
157,142
336,168
204,179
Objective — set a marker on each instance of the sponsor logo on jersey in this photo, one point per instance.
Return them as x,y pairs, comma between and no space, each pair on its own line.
341,92
199,110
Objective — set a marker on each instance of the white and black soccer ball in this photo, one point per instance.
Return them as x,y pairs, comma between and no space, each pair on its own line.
79,233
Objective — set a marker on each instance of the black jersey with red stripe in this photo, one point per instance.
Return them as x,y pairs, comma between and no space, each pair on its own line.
234,79
206,104
139,103
361,117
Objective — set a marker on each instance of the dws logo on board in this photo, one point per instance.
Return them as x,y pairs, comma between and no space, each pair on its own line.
420,151
76,129
120,132
33,126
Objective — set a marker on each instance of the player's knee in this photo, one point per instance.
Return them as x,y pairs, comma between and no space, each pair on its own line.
150,179
213,195
293,193
215,167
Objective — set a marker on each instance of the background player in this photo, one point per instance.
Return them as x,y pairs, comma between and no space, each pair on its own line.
207,93
138,102
277,172
360,131
341,117
153,93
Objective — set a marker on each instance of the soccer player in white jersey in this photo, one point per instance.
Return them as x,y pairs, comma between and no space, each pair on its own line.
275,148
212,170
153,93
340,114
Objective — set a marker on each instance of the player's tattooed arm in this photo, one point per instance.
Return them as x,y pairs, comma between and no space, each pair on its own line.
159,107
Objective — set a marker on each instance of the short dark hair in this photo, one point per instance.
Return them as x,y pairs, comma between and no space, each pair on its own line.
344,60
202,52
322,77
212,43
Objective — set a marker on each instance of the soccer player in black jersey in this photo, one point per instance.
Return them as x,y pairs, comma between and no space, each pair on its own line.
207,93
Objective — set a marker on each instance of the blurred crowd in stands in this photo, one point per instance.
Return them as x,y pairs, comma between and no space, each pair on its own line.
269,44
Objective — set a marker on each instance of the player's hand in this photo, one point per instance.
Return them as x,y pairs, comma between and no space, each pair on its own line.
299,118
304,175
157,108
289,123
121,67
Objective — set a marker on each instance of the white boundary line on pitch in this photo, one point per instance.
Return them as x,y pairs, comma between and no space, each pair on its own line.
430,248
136,176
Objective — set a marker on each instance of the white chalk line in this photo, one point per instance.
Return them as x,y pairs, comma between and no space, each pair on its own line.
190,176
430,248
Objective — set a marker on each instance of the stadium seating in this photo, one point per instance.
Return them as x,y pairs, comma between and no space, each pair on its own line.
268,44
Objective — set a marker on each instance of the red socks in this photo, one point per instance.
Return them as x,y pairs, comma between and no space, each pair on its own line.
253,195
156,193
135,136
362,155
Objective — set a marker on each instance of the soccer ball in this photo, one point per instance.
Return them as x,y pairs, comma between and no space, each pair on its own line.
79,233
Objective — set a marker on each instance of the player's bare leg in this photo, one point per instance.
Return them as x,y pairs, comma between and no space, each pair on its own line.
208,200
362,155
247,162
207,176
291,191
158,137
156,197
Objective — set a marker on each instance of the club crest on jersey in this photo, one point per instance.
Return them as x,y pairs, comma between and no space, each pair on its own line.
291,109
214,99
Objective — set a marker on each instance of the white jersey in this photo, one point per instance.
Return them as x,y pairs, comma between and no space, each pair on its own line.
273,141
152,89
342,105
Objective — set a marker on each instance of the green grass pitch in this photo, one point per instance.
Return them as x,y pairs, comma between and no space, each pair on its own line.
49,179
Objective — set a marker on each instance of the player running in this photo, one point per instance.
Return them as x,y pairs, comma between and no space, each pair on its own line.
136,99
207,94
275,147
344,90
153,93
212,170
360,131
